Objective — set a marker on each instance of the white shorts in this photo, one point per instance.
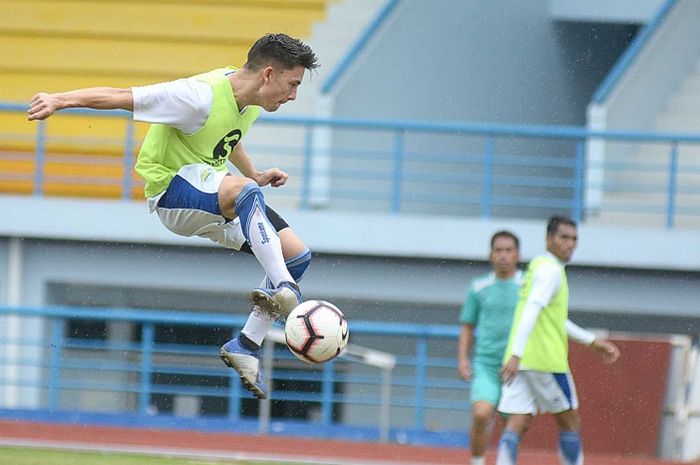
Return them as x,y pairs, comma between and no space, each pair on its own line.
190,207
537,392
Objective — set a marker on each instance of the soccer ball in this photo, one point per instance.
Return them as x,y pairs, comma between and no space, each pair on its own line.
316,331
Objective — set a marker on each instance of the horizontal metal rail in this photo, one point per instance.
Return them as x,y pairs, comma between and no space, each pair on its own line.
433,167
142,375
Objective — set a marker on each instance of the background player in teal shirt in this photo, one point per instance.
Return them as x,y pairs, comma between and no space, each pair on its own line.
486,316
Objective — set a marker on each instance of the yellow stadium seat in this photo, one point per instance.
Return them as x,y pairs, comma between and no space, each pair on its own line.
53,46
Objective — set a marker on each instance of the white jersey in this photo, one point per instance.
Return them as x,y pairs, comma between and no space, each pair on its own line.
183,104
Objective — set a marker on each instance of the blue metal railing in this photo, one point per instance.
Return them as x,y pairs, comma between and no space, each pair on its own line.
357,47
62,367
453,168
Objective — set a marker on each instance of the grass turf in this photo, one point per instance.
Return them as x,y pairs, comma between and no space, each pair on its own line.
35,456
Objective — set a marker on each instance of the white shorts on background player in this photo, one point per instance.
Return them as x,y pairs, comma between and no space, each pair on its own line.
537,392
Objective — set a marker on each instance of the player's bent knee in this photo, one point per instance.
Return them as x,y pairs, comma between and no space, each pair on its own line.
482,415
519,423
231,189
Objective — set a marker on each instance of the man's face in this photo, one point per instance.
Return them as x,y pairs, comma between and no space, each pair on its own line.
504,256
279,86
563,242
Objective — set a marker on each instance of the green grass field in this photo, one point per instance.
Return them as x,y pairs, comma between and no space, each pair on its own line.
32,456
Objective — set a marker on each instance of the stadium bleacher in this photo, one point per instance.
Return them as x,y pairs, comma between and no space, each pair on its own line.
55,46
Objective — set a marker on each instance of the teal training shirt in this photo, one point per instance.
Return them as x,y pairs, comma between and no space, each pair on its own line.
489,308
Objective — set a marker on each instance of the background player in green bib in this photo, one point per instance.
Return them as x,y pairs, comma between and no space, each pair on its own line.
486,316
197,126
536,373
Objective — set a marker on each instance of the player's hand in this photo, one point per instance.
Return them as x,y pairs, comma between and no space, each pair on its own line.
510,369
606,349
275,177
465,369
41,106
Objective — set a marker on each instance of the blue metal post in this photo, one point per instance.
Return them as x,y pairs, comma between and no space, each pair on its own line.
421,371
579,170
39,158
55,363
356,49
129,144
147,334
672,186
327,394
487,180
308,156
234,392
398,172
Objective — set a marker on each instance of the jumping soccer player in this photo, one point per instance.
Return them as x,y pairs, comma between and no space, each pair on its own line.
196,127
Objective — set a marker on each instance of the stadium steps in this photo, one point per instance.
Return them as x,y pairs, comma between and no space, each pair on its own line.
145,41
637,178
636,188
49,45
67,175
330,39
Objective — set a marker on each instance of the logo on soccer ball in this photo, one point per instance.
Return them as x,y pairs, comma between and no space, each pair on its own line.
316,331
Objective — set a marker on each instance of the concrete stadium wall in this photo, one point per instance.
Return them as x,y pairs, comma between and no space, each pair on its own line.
374,267
496,61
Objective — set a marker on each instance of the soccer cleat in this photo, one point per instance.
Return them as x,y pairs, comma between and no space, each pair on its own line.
277,302
247,363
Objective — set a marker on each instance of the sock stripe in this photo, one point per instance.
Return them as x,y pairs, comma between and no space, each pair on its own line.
297,265
302,257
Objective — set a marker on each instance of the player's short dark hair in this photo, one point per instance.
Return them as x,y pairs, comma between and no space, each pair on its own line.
555,221
281,50
507,234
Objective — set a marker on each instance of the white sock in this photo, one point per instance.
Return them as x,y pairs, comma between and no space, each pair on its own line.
267,247
478,460
258,323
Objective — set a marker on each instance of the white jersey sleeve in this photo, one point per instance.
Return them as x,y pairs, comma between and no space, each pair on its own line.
183,104
578,334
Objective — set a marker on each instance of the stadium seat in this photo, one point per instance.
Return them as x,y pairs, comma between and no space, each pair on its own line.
52,47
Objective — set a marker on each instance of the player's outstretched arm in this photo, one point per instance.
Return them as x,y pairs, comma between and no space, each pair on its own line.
606,349
43,105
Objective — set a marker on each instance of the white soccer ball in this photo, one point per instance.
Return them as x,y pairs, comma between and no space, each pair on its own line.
316,331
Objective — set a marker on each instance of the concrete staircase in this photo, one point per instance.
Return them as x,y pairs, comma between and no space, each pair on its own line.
637,176
50,46
283,146
330,39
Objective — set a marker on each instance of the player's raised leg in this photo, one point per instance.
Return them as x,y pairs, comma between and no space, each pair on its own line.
243,352
242,197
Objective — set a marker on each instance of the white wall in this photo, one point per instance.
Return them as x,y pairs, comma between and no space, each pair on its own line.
467,60
604,10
